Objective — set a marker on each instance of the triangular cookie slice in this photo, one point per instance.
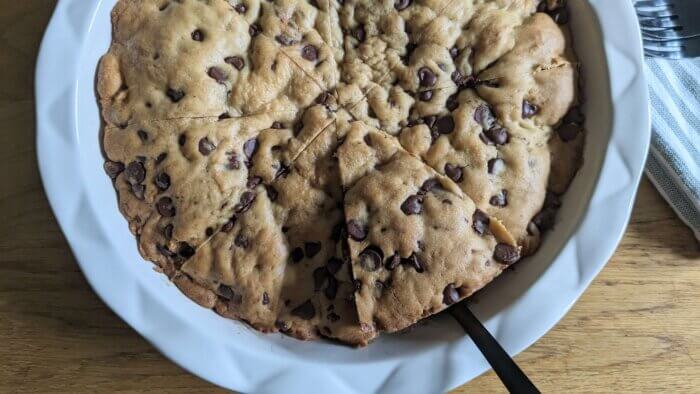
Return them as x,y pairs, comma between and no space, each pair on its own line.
417,245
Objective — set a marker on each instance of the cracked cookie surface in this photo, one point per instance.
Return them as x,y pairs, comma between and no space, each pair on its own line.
329,168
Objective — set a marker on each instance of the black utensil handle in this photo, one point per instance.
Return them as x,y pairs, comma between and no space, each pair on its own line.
510,374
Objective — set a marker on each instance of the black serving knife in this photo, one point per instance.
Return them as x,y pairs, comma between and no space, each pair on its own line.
510,374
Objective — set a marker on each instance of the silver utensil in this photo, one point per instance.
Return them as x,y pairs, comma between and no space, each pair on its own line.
668,19
673,49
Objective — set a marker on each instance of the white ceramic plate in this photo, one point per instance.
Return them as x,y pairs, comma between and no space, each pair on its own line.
518,308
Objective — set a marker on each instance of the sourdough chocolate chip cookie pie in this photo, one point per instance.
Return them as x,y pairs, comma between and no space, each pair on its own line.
330,168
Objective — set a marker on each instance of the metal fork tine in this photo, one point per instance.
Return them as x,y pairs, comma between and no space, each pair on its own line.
651,3
665,55
664,22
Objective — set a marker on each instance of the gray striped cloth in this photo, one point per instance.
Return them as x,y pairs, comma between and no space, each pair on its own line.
674,161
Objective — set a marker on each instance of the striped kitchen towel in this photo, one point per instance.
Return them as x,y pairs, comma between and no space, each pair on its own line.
674,161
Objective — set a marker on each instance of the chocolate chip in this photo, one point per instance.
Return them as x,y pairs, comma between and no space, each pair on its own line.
271,193
320,275
165,207
245,202
356,231
545,219
165,251
281,325
253,182
236,61
484,116
426,95
113,168
297,254
284,39
560,16
197,35
311,249
452,103
370,259
240,8
233,162
162,181
529,109
498,135
402,4
429,185
228,226
168,231
277,125
356,284
217,74
574,116
393,261
410,48
496,166
568,132
500,199
454,52
209,232
138,190
506,254
305,311
309,52
412,261
225,291
413,205
142,135
445,125
265,298
241,241
254,30
453,172
283,171
185,250
332,288
359,33
480,222
426,77
250,147
135,172
175,95
206,146
463,81
161,157
333,265
450,295
430,120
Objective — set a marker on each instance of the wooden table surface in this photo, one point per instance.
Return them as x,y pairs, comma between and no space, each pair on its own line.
637,328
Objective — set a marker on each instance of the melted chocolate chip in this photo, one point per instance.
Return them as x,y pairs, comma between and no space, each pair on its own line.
253,182
506,254
161,157
254,30
309,52
197,35
498,135
217,74
529,109
284,39
225,291
305,311
168,231
185,250
359,33
113,168
426,95
356,230
413,205
297,255
332,288
480,222
175,95
165,207
250,147
401,5
320,275
142,135
412,261
241,241
240,8
162,181
265,298
228,226
429,185
333,265
392,261
135,172
445,124
271,193
450,295
454,52
311,249
496,166
453,172
500,199
233,162
484,116
236,61
426,77
245,202
452,103
206,146
370,259
139,191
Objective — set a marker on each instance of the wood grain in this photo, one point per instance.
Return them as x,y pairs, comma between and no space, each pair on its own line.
636,329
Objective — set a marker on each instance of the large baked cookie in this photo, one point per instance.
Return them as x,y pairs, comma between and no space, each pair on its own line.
329,168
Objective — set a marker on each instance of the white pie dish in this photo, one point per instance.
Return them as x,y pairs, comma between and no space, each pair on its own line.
518,308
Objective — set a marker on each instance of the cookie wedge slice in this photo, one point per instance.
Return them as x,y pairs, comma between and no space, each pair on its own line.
417,244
